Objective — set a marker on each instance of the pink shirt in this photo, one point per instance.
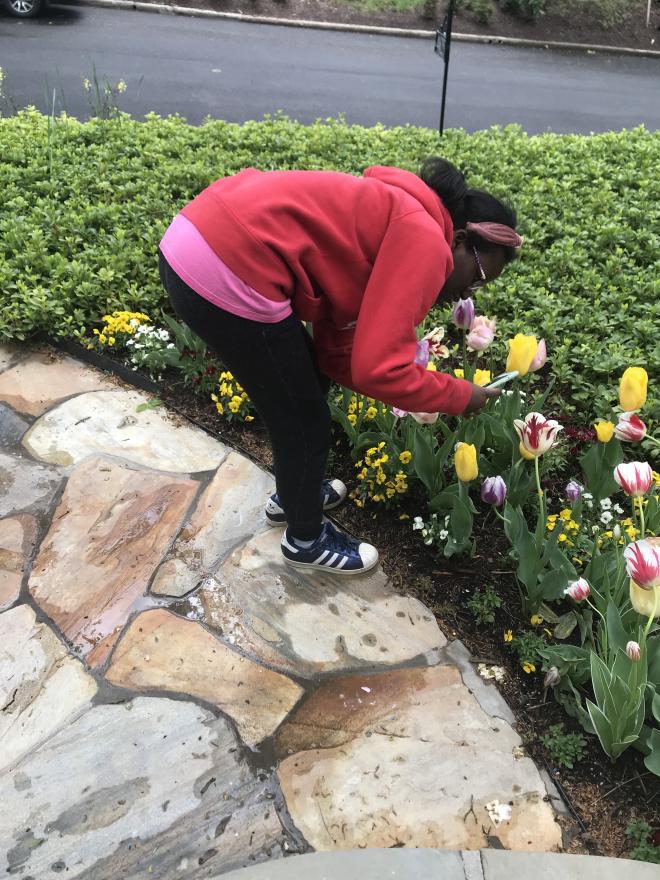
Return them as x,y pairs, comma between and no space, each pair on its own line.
196,263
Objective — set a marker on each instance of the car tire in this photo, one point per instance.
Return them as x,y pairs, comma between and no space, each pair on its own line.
24,8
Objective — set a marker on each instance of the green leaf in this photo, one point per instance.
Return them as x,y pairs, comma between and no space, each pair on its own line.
565,625
154,403
652,760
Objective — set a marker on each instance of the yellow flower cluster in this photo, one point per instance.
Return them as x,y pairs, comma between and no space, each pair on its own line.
231,400
118,324
356,407
528,667
481,377
380,477
566,523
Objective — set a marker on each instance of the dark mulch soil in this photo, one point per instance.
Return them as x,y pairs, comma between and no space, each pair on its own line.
602,796
578,27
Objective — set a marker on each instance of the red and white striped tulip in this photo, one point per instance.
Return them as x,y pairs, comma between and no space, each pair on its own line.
643,563
634,477
630,428
578,590
537,434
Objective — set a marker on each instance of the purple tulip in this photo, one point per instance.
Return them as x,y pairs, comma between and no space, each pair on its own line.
422,353
463,314
573,491
493,491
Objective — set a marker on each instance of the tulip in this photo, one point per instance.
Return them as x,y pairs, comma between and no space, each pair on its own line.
481,377
434,339
422,353
604,431
643,562
578,590
632,388
573,491
540,357
537,434
423,418
522,351
634,477
463,314
552,678
493,491
465,462
630,428
481,333
633,651
645,602
525,454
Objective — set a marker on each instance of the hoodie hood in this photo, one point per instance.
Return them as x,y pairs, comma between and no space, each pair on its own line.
415,187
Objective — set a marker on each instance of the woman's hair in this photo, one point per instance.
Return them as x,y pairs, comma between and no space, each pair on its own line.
467,205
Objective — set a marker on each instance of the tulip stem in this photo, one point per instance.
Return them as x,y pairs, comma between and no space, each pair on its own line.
465,357
656,592
653,439
642,523
539,489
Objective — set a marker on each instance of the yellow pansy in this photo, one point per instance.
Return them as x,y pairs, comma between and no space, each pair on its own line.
508,635
481,377
432,367
459,373
528,667
405,457
604,431
522,350
536,620
632,388
465,462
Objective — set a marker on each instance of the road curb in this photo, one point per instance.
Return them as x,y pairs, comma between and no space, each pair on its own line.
167,8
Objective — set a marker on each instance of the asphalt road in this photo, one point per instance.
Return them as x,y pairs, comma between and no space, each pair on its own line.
238,71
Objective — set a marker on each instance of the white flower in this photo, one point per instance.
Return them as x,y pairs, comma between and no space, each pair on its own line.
595,530
606,503
428,541
446,520
618,509
171,345
606,517
418,523
444,534
425,532
616,531
587,496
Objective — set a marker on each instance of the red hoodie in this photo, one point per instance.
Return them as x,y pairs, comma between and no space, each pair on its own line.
362,258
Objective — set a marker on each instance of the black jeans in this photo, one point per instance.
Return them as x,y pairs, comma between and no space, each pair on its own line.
275,364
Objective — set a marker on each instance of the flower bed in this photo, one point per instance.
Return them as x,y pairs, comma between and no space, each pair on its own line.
82,215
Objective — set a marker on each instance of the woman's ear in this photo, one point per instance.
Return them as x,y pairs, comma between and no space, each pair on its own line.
460,237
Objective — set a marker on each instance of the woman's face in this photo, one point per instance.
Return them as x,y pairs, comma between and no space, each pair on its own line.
472,269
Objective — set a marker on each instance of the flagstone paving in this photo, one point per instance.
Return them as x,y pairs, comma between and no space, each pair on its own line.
175,701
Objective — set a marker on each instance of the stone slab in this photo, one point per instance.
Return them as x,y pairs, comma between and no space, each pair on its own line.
8,354
310,624
409,758
108,534
149,788
12,427
161,650
551,866
25,485
44,378
230,511
17,538
486,692
109,422
42,689
372,864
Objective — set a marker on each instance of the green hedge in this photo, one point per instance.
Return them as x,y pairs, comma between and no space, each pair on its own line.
82,208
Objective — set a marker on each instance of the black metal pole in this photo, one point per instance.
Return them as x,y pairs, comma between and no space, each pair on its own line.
449,20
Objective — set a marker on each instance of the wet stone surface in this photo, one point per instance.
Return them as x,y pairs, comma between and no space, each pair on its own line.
177,702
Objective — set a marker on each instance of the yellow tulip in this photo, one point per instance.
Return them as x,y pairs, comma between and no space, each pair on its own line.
465,462
481,377
522,351
644,601
525,453
604,431
632,388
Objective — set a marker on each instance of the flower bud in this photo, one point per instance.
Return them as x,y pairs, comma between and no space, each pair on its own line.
573,491
578,590
463,314
633,651
552,678
493,491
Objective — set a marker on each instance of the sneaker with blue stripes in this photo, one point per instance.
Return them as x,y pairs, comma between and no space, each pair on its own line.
333,551
333,493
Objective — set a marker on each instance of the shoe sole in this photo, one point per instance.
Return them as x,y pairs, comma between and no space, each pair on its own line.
274,523
311,566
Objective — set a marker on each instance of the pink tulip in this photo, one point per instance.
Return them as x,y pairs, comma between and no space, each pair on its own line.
423,418
399,413
634,477
633,651
578,590
540,357
463,314
630,428
537,434
481,333
643,563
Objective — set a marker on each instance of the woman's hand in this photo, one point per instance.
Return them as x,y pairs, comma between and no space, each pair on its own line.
479,399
